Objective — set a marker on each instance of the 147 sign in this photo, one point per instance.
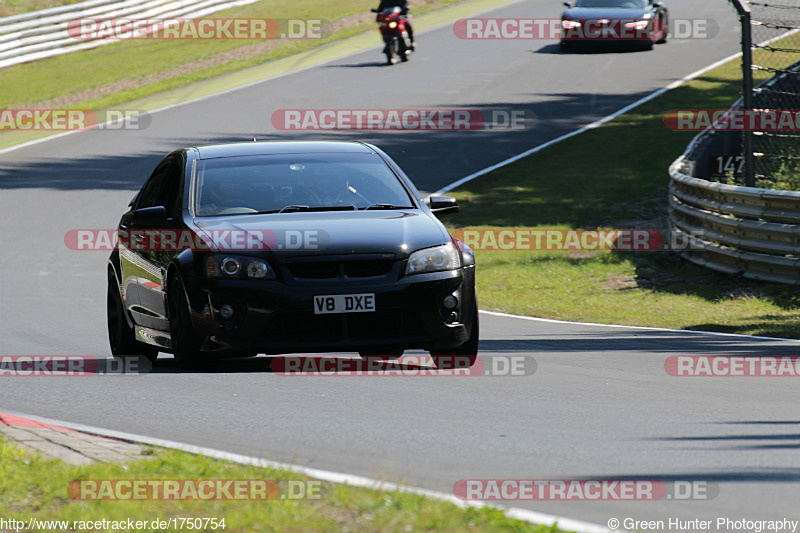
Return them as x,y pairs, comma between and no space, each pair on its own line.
720,166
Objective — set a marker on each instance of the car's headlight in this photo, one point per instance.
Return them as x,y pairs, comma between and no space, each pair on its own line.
569,24
638,24
237,267
438,258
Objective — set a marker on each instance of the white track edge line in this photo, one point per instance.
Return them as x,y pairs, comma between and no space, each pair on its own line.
674,85
646,328
516,513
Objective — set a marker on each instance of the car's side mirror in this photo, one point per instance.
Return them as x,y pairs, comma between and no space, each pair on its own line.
443,205
656,4
567,4
150,217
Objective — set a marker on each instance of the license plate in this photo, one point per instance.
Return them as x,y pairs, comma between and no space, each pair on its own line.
344,303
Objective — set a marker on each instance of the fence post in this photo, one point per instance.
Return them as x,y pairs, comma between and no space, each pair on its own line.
747,88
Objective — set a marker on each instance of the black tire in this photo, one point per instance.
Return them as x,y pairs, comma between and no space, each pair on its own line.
404,49
392,51
121,337
666,32
185,346
463,356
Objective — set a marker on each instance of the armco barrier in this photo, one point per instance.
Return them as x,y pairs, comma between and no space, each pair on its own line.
734,229
40,34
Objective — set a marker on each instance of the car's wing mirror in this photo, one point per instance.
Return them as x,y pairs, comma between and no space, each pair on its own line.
150,217
567,4
443,205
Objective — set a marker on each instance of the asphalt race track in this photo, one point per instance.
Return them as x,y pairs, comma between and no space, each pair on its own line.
600,404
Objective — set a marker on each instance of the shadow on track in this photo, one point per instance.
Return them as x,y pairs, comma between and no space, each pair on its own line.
431,157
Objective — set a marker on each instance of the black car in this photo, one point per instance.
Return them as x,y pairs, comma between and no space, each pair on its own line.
638,22
239,249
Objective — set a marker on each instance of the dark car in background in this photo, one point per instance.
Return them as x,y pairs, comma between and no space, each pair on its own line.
239,249
640,23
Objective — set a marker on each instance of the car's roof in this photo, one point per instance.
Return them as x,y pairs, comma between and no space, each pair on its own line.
280,147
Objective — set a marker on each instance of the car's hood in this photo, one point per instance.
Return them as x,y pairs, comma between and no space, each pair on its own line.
612,13
397,232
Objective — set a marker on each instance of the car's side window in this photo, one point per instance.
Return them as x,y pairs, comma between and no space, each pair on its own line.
170,194
150,192
162,189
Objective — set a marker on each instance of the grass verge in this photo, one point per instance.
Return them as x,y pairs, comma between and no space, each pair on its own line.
32,487
16,7
615,176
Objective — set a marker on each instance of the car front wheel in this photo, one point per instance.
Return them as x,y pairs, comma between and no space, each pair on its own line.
185,346
665,35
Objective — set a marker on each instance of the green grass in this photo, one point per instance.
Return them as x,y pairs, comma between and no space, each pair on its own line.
15,7
32,487
642,289
136,64
619,180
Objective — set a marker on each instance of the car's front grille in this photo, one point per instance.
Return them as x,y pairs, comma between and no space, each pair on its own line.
367,268
317,270
356,268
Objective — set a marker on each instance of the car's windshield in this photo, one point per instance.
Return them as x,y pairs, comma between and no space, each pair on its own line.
291,183
631,4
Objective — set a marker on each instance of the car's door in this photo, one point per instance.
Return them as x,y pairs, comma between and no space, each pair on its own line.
150,253
128,269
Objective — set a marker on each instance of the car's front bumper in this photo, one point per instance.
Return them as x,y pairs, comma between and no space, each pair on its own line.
275,317
613,33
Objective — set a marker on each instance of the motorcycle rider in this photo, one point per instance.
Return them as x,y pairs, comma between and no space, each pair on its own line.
403,5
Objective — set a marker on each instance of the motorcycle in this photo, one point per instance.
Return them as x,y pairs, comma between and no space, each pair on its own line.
392,25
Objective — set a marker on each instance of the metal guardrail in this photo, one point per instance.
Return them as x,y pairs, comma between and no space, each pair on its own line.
40,34
733,229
